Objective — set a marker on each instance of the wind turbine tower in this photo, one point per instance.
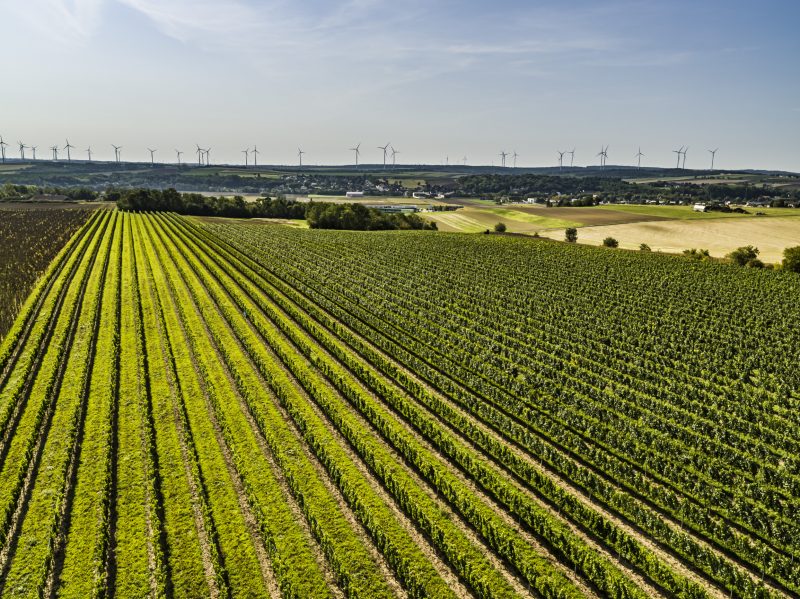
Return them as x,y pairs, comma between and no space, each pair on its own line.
22,147
560,159
3,145
678,152
68,147
207,152
503,155
639,156
117,153
300,156
713,155
571,157
89,152
394,157
199,155
684,156
152,159
357,150
178,153
33,149
55,153
246,153
384,148
255,156
514,156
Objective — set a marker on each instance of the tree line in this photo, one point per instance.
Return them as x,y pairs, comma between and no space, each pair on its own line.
320,215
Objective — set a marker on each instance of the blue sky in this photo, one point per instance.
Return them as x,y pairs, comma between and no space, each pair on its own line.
434,78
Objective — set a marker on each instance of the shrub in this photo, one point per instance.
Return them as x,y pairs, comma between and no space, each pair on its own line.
791,259
755,263
643,247
610,242
500,228
743,255
571,235
695,254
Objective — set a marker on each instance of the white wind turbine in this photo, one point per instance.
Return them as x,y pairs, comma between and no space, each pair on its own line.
639,156
357,151
385,149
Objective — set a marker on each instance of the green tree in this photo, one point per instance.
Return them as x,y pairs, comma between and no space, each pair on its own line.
571,234
610,242
791,259
695,254
743,255
500,228
643,247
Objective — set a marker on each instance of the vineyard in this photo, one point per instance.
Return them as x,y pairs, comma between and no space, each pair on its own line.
245,410
29,239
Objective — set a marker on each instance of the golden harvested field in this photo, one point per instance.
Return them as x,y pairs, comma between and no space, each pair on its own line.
770,235
475,219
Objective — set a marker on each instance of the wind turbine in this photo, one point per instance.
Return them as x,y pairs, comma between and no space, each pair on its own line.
207,152
255,156
384,148
357,150
571,157
179,153
639,156
152,152
560,159
22,147
89,152
713,155
503,155
678,152
464,160
67,148
246,153
199,155
55,152
395,153
603,153
3,149
300,155
117,153
684,156
514,155
34,152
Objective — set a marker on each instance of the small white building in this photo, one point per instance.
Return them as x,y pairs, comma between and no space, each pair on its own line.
700,208
354,194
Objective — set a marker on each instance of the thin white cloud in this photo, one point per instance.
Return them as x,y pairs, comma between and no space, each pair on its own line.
62,20
187,20
530,47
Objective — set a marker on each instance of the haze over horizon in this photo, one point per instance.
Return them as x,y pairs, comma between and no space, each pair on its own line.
435,79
